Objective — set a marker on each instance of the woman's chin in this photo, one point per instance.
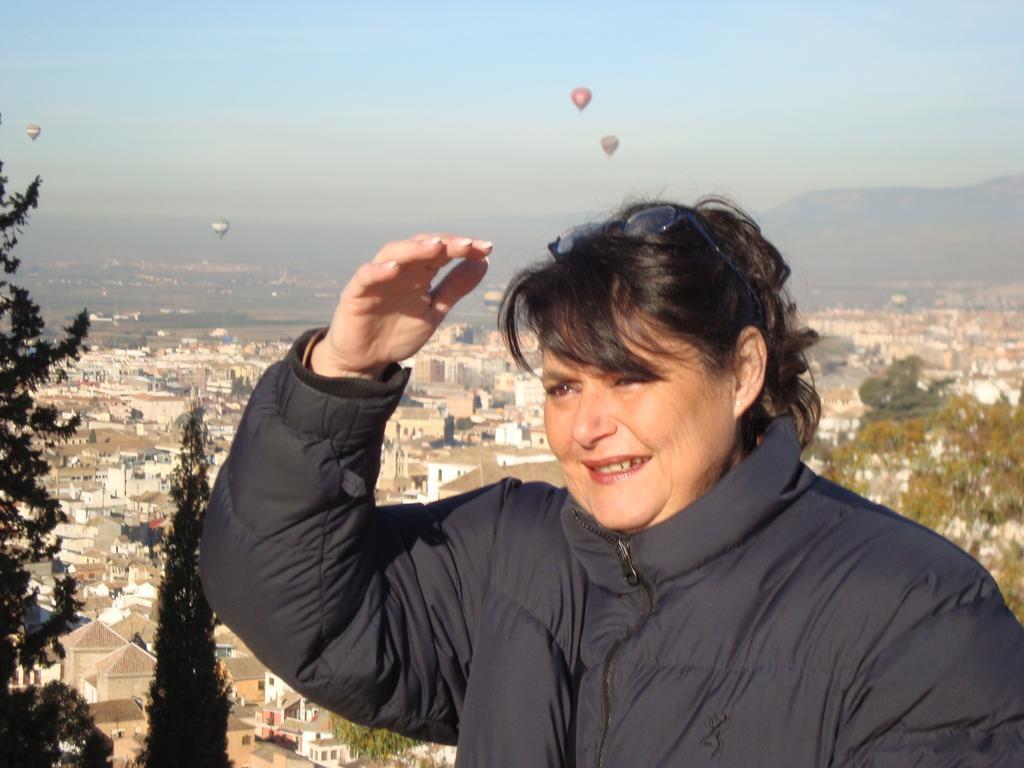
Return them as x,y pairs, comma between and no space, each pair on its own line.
622,518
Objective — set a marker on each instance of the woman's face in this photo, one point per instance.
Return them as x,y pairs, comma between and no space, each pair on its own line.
634,453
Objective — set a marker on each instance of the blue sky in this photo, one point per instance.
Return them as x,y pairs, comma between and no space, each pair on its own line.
399,110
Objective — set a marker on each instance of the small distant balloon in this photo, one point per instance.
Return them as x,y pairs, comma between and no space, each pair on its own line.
220,226
33,131
899,299
580,97
609,144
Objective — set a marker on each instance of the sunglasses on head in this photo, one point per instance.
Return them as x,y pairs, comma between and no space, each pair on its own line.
647,223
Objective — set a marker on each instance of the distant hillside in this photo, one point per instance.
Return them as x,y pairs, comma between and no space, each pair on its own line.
844,245
862,237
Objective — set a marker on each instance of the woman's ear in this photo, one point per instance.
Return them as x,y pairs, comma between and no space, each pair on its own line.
750,361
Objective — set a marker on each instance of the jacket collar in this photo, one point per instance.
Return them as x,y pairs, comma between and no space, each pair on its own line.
746,498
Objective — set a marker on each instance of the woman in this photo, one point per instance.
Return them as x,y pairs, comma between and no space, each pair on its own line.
695,595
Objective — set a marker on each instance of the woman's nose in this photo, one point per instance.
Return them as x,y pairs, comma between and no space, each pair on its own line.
593,419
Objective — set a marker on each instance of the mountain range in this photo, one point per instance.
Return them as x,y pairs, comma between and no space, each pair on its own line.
862,237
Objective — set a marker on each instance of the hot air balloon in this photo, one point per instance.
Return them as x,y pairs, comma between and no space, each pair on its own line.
220,226
580,97
33,131
609,144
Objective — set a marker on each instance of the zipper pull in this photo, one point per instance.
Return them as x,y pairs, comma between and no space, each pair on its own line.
629,574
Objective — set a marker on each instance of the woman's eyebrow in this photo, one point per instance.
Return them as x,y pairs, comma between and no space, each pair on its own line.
551,376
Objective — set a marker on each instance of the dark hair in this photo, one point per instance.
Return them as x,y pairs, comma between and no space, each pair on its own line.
614,294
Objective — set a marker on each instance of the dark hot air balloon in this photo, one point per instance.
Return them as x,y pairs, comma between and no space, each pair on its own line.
580,97
609,144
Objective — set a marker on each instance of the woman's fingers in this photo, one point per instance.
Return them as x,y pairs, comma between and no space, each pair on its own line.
432,248
411,251
369,275
463,278
416,261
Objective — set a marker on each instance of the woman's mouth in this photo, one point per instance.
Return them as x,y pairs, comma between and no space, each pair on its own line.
615,469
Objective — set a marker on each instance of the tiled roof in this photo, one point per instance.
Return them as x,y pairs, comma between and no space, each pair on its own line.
135,623
245,668
245,713
234,724
148,497
490,472
287,701
326,743
127,661
116,711
86,568
109,441
271,754
95,634
321,723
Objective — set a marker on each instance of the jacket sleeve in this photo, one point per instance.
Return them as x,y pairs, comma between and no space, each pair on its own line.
369,612
942,686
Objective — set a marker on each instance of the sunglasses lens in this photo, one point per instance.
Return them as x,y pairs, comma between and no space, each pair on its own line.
568,239
652,221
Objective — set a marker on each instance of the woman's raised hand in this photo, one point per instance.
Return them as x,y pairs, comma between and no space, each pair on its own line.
388,310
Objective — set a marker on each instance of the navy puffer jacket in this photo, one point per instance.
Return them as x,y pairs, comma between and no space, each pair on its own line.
778,621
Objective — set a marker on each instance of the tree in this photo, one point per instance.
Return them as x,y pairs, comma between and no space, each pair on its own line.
241,387
371,743
899,394
960,472
59,718
188,711
30,734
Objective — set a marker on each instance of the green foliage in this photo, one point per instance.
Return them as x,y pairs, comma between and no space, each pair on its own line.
51,726
463,423
28,514
370,743
241,388
960,471
188,711
898,394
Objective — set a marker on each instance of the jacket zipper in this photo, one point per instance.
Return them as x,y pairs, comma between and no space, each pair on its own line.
632,577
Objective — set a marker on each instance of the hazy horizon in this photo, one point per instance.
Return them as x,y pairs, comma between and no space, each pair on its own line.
321,129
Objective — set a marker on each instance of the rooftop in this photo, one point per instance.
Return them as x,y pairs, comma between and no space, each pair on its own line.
245,668
95,634
116,711
127,661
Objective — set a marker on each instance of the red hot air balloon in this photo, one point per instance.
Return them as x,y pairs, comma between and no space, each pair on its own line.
609,144
580,97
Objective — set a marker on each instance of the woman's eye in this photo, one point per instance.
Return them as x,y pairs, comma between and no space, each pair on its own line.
625,381
559,390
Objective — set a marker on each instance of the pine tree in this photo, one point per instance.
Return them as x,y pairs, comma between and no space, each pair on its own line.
188,711
34,722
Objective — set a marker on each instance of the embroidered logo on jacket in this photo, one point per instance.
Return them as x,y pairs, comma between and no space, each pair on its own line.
713,738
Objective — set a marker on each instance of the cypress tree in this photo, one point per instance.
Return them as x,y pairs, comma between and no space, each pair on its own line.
35,723
188,710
